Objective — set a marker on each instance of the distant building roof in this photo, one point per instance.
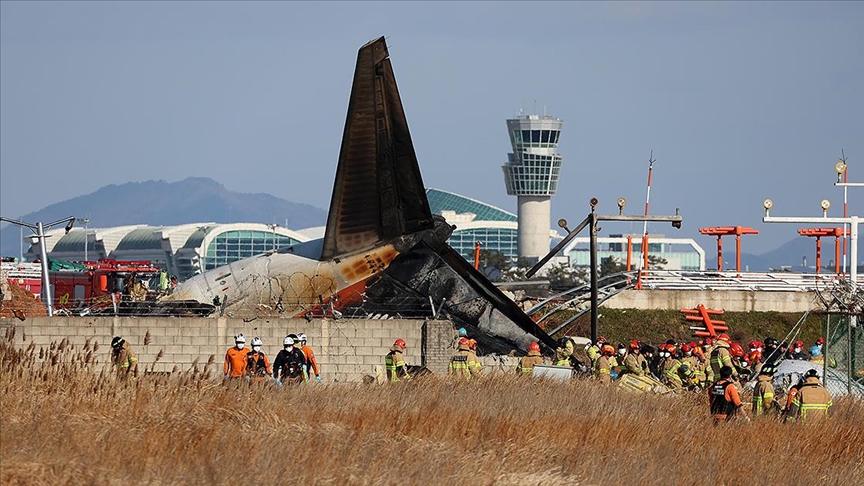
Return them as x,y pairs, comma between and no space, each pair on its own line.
440,201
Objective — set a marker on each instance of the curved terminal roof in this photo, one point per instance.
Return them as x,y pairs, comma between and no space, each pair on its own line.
440,201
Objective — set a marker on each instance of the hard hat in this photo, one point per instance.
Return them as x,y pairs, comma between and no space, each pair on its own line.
463,341
302,337
240,338
736,350
562,342
811,373
256,341
534,346
601,340
799,344
607,350
634,344
767,370
686,348
815,351
754,344
708,342
670,349
770,341
472,343
462,331
724,337
401,343
117,342
821,340
295,337
288,341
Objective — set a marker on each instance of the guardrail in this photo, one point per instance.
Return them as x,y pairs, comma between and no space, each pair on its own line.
753,281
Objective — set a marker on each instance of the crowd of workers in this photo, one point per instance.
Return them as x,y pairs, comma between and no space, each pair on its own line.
714,364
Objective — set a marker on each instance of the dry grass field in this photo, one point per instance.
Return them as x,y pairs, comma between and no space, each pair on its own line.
65,420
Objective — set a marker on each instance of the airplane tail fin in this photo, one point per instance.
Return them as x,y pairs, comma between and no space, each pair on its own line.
378,194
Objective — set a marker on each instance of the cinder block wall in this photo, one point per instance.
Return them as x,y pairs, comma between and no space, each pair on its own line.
346,349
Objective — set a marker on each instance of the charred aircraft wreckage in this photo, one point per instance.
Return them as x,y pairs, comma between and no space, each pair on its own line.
383,251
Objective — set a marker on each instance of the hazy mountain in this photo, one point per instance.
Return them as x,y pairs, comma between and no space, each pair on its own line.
192,200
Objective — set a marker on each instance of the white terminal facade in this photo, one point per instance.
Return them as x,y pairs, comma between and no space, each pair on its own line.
531,174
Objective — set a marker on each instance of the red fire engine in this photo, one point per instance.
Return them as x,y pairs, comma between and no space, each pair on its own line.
100,284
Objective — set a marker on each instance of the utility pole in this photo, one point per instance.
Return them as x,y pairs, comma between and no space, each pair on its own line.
39,230
591,220
86,221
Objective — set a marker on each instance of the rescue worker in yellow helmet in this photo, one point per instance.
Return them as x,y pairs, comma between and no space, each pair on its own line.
459,361
813,402
527,363
124,359
394,362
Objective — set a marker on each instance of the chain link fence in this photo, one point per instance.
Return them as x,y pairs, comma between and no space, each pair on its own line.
844,354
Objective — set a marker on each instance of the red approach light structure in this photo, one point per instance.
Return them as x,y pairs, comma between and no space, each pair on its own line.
720,232
709,328
818,233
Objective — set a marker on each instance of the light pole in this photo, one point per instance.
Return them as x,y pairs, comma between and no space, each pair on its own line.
273,227
39,229
591,221
86,221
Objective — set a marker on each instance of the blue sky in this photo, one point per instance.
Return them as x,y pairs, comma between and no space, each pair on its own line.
739,100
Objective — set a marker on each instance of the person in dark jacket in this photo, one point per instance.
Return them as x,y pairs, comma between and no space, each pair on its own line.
289,363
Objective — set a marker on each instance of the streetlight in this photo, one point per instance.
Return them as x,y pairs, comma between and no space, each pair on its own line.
273,227
86,221
39,229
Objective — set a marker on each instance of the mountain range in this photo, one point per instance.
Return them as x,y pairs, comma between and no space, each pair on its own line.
160,203
201,199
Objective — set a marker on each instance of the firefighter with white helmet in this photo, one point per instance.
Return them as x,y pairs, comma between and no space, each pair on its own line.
289,363
257,365
235,358
312,363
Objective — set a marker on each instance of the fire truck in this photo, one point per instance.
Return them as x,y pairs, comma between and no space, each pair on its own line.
104,284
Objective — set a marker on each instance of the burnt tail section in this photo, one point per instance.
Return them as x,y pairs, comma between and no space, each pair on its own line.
378,194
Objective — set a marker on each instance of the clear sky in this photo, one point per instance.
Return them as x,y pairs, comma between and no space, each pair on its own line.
739,100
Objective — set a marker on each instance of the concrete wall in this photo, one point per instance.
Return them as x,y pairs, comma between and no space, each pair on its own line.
727,300
533,234
346,349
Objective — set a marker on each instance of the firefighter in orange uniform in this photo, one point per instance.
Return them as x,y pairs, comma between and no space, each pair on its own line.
310,358
235,358
257,365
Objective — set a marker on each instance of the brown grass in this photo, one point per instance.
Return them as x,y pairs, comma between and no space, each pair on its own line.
65,420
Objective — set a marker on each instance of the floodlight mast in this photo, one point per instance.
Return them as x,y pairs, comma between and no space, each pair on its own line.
591,221
39,230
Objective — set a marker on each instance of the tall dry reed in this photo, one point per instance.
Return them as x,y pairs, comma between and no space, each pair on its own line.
67,420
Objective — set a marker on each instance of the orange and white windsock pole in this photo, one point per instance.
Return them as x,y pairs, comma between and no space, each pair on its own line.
644,262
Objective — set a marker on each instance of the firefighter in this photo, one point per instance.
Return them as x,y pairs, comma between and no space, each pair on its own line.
459,360
671,368
474,364
311,362
257,365
816,355
603,366
394,362
634,362
719,358
690,364
593,350
812,402
797,352
739,363
771,354
563,352
235,358
526,363
288,365
723,398
124,359
763,393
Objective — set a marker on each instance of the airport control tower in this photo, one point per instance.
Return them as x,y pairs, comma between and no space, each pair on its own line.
531,174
